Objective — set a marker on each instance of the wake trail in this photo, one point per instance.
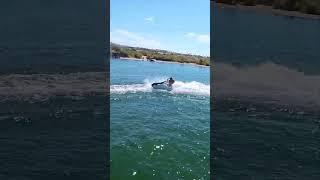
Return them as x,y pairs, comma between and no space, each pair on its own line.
179,87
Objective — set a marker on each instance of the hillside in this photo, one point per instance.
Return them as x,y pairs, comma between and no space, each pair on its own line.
161,55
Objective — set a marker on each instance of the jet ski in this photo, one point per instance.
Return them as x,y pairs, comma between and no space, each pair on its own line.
165,85
162,85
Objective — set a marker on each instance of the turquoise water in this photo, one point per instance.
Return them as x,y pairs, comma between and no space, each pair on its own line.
158,134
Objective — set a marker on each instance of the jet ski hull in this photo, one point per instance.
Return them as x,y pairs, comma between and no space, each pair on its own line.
163,86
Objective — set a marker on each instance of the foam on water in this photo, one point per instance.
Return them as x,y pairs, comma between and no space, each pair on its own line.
192,87
179,87
267,82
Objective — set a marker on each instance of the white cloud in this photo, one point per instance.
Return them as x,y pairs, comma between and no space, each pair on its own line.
191,35
125,37
149,19
203,38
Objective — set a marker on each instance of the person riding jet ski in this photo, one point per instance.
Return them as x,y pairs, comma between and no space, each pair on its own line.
164,85
170,81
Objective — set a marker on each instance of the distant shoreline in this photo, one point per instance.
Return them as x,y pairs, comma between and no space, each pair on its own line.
161,61
141,53
269,9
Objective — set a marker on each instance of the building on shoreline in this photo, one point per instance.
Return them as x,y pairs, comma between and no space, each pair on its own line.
144,57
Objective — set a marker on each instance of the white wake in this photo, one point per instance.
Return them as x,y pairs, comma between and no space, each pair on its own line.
179,87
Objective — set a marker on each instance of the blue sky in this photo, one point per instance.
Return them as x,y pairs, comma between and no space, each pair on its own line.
174,25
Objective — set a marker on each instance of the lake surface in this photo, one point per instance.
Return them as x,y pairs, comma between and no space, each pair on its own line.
248,37
158,134
60,138
268,126
56,136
